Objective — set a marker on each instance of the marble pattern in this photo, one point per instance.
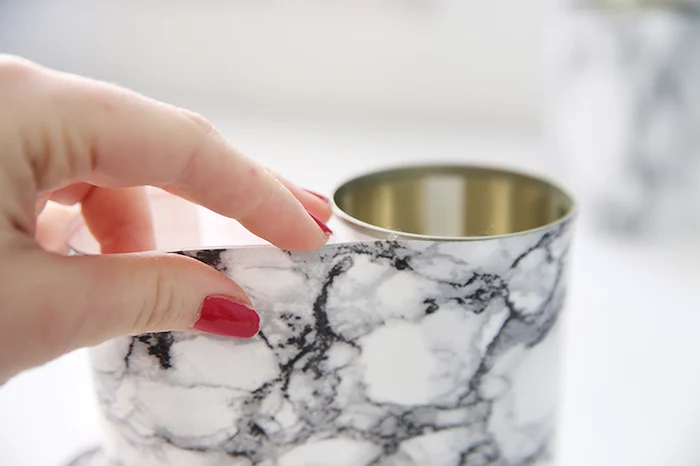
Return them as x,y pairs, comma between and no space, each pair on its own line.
383,353
625,114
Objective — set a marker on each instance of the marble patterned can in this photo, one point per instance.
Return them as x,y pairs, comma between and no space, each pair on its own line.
434,342
625,112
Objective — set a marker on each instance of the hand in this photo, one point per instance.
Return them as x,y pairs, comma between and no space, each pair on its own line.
73,140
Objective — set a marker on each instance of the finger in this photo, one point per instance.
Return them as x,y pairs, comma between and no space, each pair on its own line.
52,232
93,298
313,202
119,219
108,136
71,194
41,201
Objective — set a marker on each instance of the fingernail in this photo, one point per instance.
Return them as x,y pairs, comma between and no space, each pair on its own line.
223,316
320,196
322,225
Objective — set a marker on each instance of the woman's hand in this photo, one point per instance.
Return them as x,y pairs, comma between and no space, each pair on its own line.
72,140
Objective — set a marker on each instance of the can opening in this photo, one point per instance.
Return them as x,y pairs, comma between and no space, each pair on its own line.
459,202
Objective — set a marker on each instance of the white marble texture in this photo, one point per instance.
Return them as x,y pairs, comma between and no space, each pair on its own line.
625,114
370,353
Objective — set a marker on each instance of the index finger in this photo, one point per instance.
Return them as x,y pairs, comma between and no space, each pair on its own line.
117,137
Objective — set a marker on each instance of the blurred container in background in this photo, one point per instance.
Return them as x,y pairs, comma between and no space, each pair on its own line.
625,112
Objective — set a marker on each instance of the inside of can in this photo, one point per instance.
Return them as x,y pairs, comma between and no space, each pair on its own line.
451,201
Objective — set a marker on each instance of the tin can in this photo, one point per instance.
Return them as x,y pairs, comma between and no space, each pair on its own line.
426,335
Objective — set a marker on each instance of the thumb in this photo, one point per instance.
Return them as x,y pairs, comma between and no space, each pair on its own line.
72,302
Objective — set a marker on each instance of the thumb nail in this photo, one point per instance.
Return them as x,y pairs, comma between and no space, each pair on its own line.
223,316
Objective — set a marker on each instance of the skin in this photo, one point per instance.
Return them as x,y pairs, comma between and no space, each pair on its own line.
68,140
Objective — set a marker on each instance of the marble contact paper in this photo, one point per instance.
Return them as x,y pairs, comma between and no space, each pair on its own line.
370,353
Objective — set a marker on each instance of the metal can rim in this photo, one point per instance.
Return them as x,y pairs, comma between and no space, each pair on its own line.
385,233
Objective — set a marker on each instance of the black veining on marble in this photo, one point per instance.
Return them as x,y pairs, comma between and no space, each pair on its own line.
157,345
211,257
303,356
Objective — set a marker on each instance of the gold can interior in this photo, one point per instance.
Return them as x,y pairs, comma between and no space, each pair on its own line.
452,201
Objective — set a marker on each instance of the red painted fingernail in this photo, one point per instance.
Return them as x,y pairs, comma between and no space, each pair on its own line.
320,196
223,316
322,225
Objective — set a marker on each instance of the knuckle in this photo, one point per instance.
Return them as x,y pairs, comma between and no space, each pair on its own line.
160,309
15,70
204,124
259,194
205,132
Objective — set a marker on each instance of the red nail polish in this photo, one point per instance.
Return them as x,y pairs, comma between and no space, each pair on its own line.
223,316
323,226
320,196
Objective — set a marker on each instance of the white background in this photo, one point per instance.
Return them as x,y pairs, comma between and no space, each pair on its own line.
469,59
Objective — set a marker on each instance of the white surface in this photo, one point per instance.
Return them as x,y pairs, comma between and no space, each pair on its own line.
476,59
631,351
633,355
